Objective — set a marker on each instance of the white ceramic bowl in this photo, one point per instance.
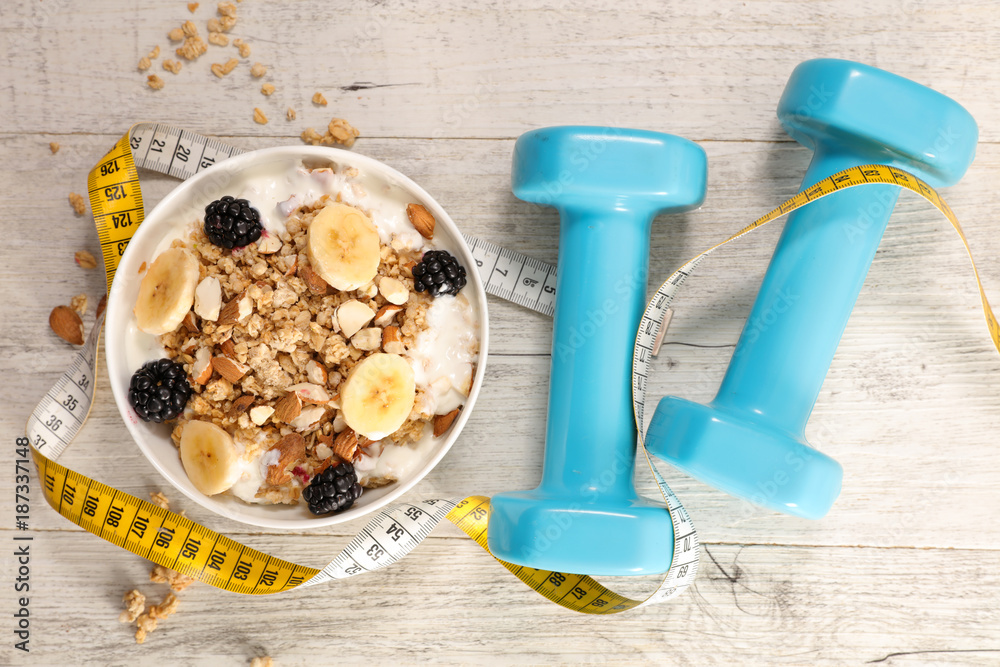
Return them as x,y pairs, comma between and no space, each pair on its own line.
127,347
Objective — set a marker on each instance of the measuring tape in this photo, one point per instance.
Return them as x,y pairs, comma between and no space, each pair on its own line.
176,542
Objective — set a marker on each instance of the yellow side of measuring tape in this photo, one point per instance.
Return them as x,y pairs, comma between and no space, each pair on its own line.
176,542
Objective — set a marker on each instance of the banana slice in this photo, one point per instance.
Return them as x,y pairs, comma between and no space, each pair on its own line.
378,395
166,292
209,456
343,247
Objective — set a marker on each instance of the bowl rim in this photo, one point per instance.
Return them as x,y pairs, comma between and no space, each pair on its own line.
113,339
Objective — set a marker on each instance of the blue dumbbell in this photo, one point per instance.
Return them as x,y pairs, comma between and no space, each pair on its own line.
607,184
749,441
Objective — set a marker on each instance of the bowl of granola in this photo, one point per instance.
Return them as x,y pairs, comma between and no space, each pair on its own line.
296,336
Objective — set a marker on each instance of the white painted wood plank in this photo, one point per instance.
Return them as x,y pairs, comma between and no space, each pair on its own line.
468,69
449,603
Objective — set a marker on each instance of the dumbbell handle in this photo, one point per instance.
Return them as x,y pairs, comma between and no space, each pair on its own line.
806,298
601,285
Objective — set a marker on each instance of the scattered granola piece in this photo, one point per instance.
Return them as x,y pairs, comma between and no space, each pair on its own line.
79,304
262,662
227,9
192,7
135,603
155,53
342,132
54,147
259,117
144,64
214,25
222,70
175,35
159,499
189,29
290,114
76,201
319,99
218,39
192,48
177,581
173,66
243,47
165,608
154,82
144,625
258,70
311,136
84,259
267,89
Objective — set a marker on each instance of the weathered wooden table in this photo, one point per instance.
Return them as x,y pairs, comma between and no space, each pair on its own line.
904,570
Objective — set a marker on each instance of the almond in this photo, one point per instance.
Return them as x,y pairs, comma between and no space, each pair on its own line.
229,369
345,445
190,323
352,315
268,244
66,323
309,417
391,341
238,309
443,422
101,305
367,339
394,291
310,393
288,408
201,371
228,348
240,405
312,279
421,219
385,314
292,449
260,413
408,269
316,372
290,271
208,299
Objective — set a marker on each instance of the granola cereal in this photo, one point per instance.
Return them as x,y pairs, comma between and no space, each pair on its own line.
76,201
259,117
79,304
54,147
135,604
243,47
154,82
173,66
319,99
218,38
84,259
258,70
272,365
290,115
267,89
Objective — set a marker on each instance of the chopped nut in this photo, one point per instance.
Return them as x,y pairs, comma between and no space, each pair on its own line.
243,47
319,99
229,369
192,6
79,304
66,324
367,339
135,603
290,115
258,70
240,405
345,445
267,88
76,201
154,82
259,117
385,314
144,64
175,35
443,422
288,408
173,66
218,38
260,414
54,147
391,341
394,291
292,449
313,281
84,259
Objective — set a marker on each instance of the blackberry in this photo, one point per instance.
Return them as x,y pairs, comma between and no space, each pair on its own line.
333,490
438,273
159,390
232,223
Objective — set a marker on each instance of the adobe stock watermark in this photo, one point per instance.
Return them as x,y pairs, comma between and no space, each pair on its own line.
596,318
458,113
